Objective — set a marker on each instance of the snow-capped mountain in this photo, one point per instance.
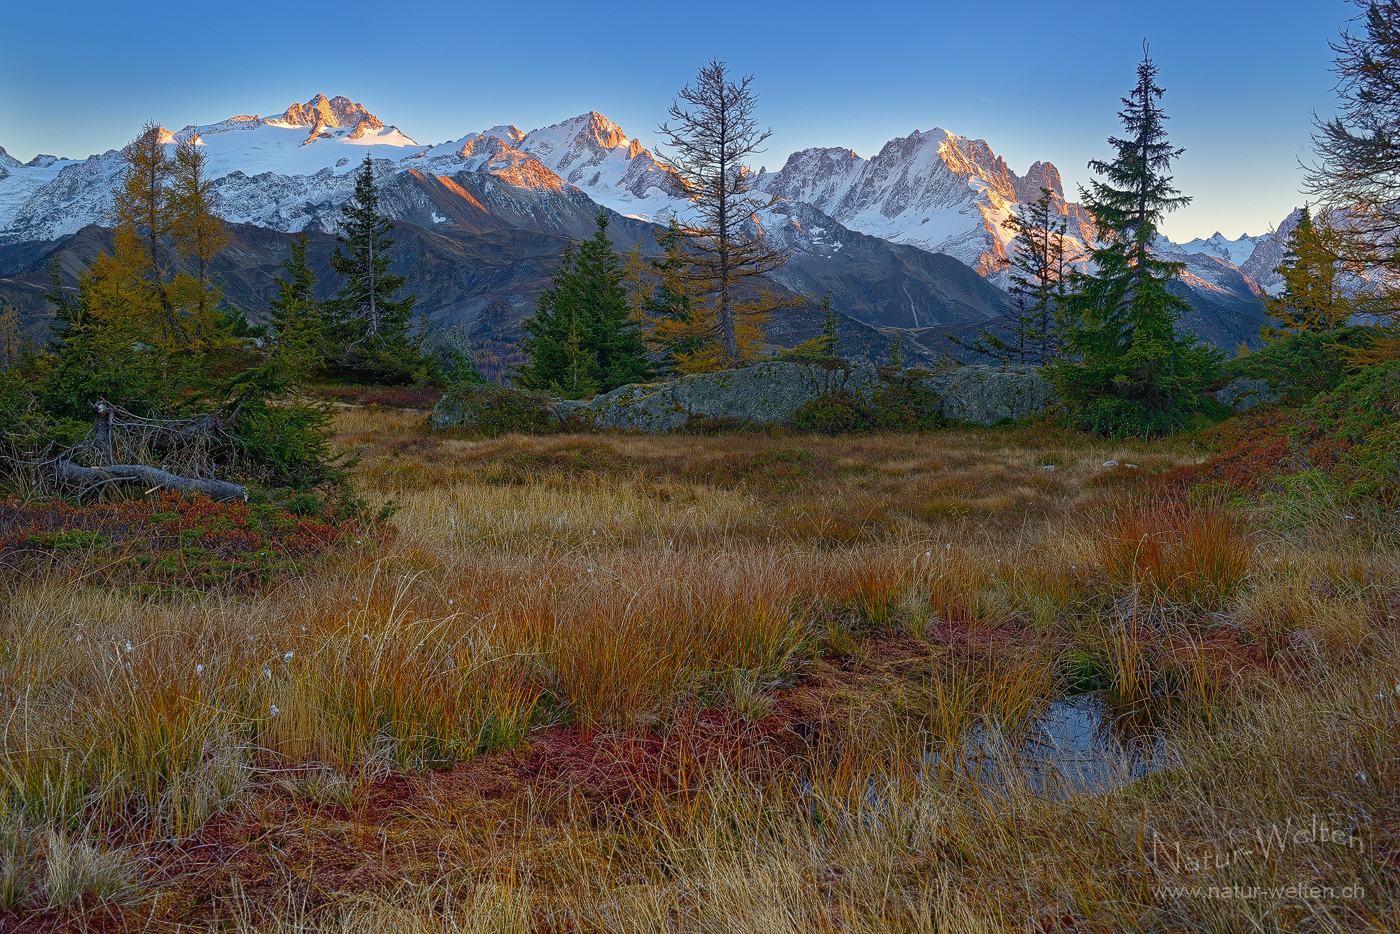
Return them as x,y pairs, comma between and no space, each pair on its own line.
934,190
937,191
1234,252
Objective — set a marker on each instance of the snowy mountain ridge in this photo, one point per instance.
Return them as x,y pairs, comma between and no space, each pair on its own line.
932,189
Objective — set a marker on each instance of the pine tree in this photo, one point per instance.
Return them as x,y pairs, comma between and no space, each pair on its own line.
1312,299
369,328
295,308
830,341
711,131
1128,371
1040,266
584,339
295,322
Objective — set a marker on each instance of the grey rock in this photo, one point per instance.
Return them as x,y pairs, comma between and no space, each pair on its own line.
984,395
766,393
1245,393
770,393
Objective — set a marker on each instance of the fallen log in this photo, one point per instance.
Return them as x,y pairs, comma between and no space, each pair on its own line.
76,475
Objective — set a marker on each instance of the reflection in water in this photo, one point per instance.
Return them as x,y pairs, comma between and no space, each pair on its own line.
1078,744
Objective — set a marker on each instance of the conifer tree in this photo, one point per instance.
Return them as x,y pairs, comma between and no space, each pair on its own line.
1128,371
199,235
142,222
294,313
104,347
1358,168
710,133
295,310
1040,266
9,334
1312,299
830,341
584,339
677,332
369,326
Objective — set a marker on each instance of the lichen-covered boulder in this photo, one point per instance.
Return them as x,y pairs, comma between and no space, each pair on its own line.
762,394
1245,393
984,395
767,393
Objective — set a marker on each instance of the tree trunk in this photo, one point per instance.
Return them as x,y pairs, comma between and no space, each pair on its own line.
75,475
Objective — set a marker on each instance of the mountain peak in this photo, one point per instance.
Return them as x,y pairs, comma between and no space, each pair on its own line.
321,113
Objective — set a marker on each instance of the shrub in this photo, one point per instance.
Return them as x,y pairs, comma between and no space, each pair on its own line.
1346,441
493,410
904,402
1302,365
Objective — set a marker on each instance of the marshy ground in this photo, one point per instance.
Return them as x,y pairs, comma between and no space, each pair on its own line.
740,682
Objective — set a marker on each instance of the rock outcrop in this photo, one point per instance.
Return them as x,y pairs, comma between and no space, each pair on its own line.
1245,393
770,393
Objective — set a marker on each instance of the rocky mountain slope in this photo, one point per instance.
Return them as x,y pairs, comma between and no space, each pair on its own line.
879,232
473,284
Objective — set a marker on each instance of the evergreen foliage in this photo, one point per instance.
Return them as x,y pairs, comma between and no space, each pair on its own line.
145,330
295,319
583,339
827,344
1040,268
677,330
367,327
1302,364
1128,371
1312,299
830,342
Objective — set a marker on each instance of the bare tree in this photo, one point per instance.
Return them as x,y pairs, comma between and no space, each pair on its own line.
1358,170
711,131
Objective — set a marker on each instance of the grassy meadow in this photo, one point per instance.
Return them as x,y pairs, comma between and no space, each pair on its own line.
740,682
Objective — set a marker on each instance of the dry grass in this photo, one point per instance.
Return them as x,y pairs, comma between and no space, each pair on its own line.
633,683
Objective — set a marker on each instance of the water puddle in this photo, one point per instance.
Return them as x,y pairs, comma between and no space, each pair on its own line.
1077,745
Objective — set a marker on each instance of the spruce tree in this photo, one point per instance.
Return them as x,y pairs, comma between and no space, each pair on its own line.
368,326
295,308
676,329
1312,299
584,339
1040,265
1128,371
830,341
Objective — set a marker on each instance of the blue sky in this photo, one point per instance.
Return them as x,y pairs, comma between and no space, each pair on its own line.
1037,80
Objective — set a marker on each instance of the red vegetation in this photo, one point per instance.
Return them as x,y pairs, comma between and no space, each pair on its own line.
167,540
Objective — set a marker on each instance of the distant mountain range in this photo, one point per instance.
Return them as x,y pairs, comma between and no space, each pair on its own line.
910,238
